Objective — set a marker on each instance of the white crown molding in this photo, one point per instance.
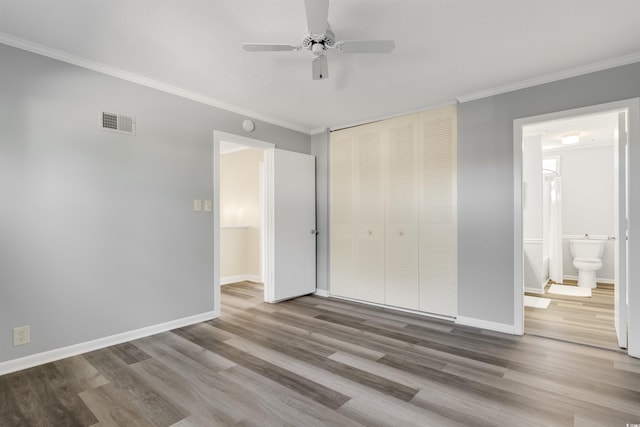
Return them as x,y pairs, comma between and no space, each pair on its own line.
549,78
141,80
85,347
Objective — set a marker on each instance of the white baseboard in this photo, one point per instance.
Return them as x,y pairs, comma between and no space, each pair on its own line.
534,290
73,350
322,293
485,324
239,278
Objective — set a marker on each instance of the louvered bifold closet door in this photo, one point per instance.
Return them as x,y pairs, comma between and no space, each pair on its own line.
342,241
401,214
438,214
357,213
370,266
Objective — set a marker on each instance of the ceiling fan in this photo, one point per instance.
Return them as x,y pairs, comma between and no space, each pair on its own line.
319,37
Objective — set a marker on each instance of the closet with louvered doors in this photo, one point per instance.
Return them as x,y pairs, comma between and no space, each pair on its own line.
393,212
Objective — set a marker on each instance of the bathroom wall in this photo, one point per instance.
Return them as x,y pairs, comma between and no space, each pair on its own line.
587,201
240,215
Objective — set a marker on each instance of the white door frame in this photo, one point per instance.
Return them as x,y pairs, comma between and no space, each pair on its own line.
632,106
219,136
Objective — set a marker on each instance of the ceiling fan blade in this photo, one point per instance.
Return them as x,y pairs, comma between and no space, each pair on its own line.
268,47
365,46
320,69
317,16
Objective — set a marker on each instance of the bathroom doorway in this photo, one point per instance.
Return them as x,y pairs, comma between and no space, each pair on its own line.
569,205
573,191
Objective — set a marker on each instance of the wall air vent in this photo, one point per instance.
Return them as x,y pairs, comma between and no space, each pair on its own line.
118,123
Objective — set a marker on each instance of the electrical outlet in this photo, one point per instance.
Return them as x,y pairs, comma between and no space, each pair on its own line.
21,335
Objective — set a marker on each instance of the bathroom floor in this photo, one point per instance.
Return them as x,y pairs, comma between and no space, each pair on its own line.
583,320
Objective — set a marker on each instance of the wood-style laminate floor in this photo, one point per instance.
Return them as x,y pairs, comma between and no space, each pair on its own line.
583,320
326,362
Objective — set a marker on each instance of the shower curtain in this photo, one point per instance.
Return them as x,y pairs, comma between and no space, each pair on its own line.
555,230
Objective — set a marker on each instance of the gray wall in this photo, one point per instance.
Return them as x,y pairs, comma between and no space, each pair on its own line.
486,181
320,149
97,232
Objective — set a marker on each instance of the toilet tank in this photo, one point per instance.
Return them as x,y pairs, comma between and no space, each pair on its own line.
586,248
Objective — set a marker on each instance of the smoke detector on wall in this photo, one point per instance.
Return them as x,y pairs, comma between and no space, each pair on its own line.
248,126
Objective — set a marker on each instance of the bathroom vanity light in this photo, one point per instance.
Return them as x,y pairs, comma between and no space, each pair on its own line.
570,138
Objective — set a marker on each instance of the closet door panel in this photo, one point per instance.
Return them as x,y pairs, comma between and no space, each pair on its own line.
401,214
342,245
438,224
370,215
438,265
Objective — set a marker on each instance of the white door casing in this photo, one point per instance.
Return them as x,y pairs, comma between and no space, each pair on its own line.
620,224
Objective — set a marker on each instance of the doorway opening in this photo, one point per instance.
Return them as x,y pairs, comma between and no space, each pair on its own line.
287,236
571,173
242,225
571,199
241,211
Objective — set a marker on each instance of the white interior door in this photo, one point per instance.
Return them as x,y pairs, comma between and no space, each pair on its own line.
620,279
293,222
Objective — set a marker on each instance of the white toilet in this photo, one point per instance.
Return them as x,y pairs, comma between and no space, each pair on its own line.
587,259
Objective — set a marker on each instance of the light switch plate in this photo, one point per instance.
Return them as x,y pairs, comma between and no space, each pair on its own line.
207,205
197,205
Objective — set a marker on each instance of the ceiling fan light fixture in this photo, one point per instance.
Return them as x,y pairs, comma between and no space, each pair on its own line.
319,38
318,49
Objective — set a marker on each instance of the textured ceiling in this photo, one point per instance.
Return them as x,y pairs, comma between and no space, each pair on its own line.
444,48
